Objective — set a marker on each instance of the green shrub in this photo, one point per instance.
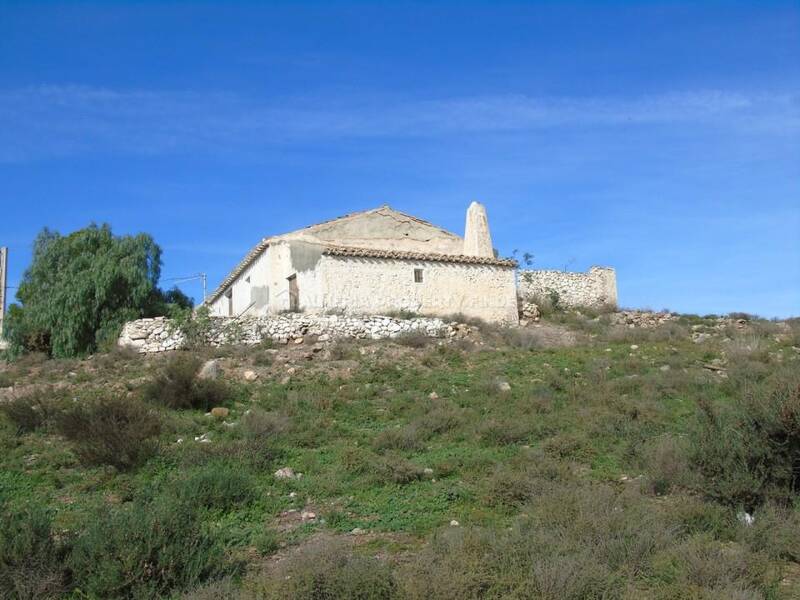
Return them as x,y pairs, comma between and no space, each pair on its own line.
327,570
145,551
113,431
178,385
750,452
31,558
216,485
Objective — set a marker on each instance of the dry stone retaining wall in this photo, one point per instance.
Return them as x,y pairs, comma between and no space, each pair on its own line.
160,335
594,289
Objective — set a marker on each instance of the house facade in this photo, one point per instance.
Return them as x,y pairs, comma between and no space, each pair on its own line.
374,262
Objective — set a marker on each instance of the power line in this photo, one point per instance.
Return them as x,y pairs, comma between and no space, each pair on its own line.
201,276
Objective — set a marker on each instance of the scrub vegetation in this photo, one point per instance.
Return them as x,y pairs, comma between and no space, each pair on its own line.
628,463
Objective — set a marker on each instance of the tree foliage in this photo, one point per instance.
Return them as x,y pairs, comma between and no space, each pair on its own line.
81,287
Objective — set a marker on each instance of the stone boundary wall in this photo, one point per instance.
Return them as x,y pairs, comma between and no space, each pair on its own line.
160,335
594,289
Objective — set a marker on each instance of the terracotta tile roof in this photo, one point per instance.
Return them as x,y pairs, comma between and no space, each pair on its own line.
423,256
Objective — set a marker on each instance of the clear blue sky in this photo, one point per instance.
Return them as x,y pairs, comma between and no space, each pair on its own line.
661,139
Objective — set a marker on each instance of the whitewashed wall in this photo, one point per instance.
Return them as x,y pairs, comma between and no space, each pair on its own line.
370,286
375,286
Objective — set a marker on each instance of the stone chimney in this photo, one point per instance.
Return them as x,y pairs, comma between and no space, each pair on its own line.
477,239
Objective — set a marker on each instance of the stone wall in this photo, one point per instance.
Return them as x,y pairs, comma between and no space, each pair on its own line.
596,288
159,335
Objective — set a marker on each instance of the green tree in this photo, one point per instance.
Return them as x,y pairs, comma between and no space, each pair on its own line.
80,288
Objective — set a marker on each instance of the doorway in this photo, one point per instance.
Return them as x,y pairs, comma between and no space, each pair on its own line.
294,294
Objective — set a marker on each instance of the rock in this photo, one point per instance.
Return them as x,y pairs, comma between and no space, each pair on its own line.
323,338
250,375
298,341
287,473
357,531
699,338
664,368
530,311
220,412
454,523
209,370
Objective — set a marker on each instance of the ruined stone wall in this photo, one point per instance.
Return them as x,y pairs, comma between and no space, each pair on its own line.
159,335
596,288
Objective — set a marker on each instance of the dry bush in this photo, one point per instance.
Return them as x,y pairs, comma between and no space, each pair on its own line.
408,437
395,469
325,569
666,464
106,430
413,339
31,556
224,589
749,451
503,431
178,386
344,349
262,425
117,356
519,482
572,542
35,410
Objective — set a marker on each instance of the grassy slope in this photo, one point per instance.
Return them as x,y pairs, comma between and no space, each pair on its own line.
362,430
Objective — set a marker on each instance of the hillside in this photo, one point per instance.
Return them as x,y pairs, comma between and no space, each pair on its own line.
582,457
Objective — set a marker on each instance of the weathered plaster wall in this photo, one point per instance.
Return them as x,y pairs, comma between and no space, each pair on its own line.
383,228
595,288
158,335
252,296
375,286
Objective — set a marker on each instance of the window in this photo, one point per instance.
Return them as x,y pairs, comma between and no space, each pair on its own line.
417,275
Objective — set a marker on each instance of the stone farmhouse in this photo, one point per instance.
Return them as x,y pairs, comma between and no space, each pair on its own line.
379,261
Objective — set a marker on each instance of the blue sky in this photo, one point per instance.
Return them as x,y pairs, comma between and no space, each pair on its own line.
660,138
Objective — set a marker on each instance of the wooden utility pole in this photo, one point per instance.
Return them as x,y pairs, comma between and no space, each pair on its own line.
3,269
